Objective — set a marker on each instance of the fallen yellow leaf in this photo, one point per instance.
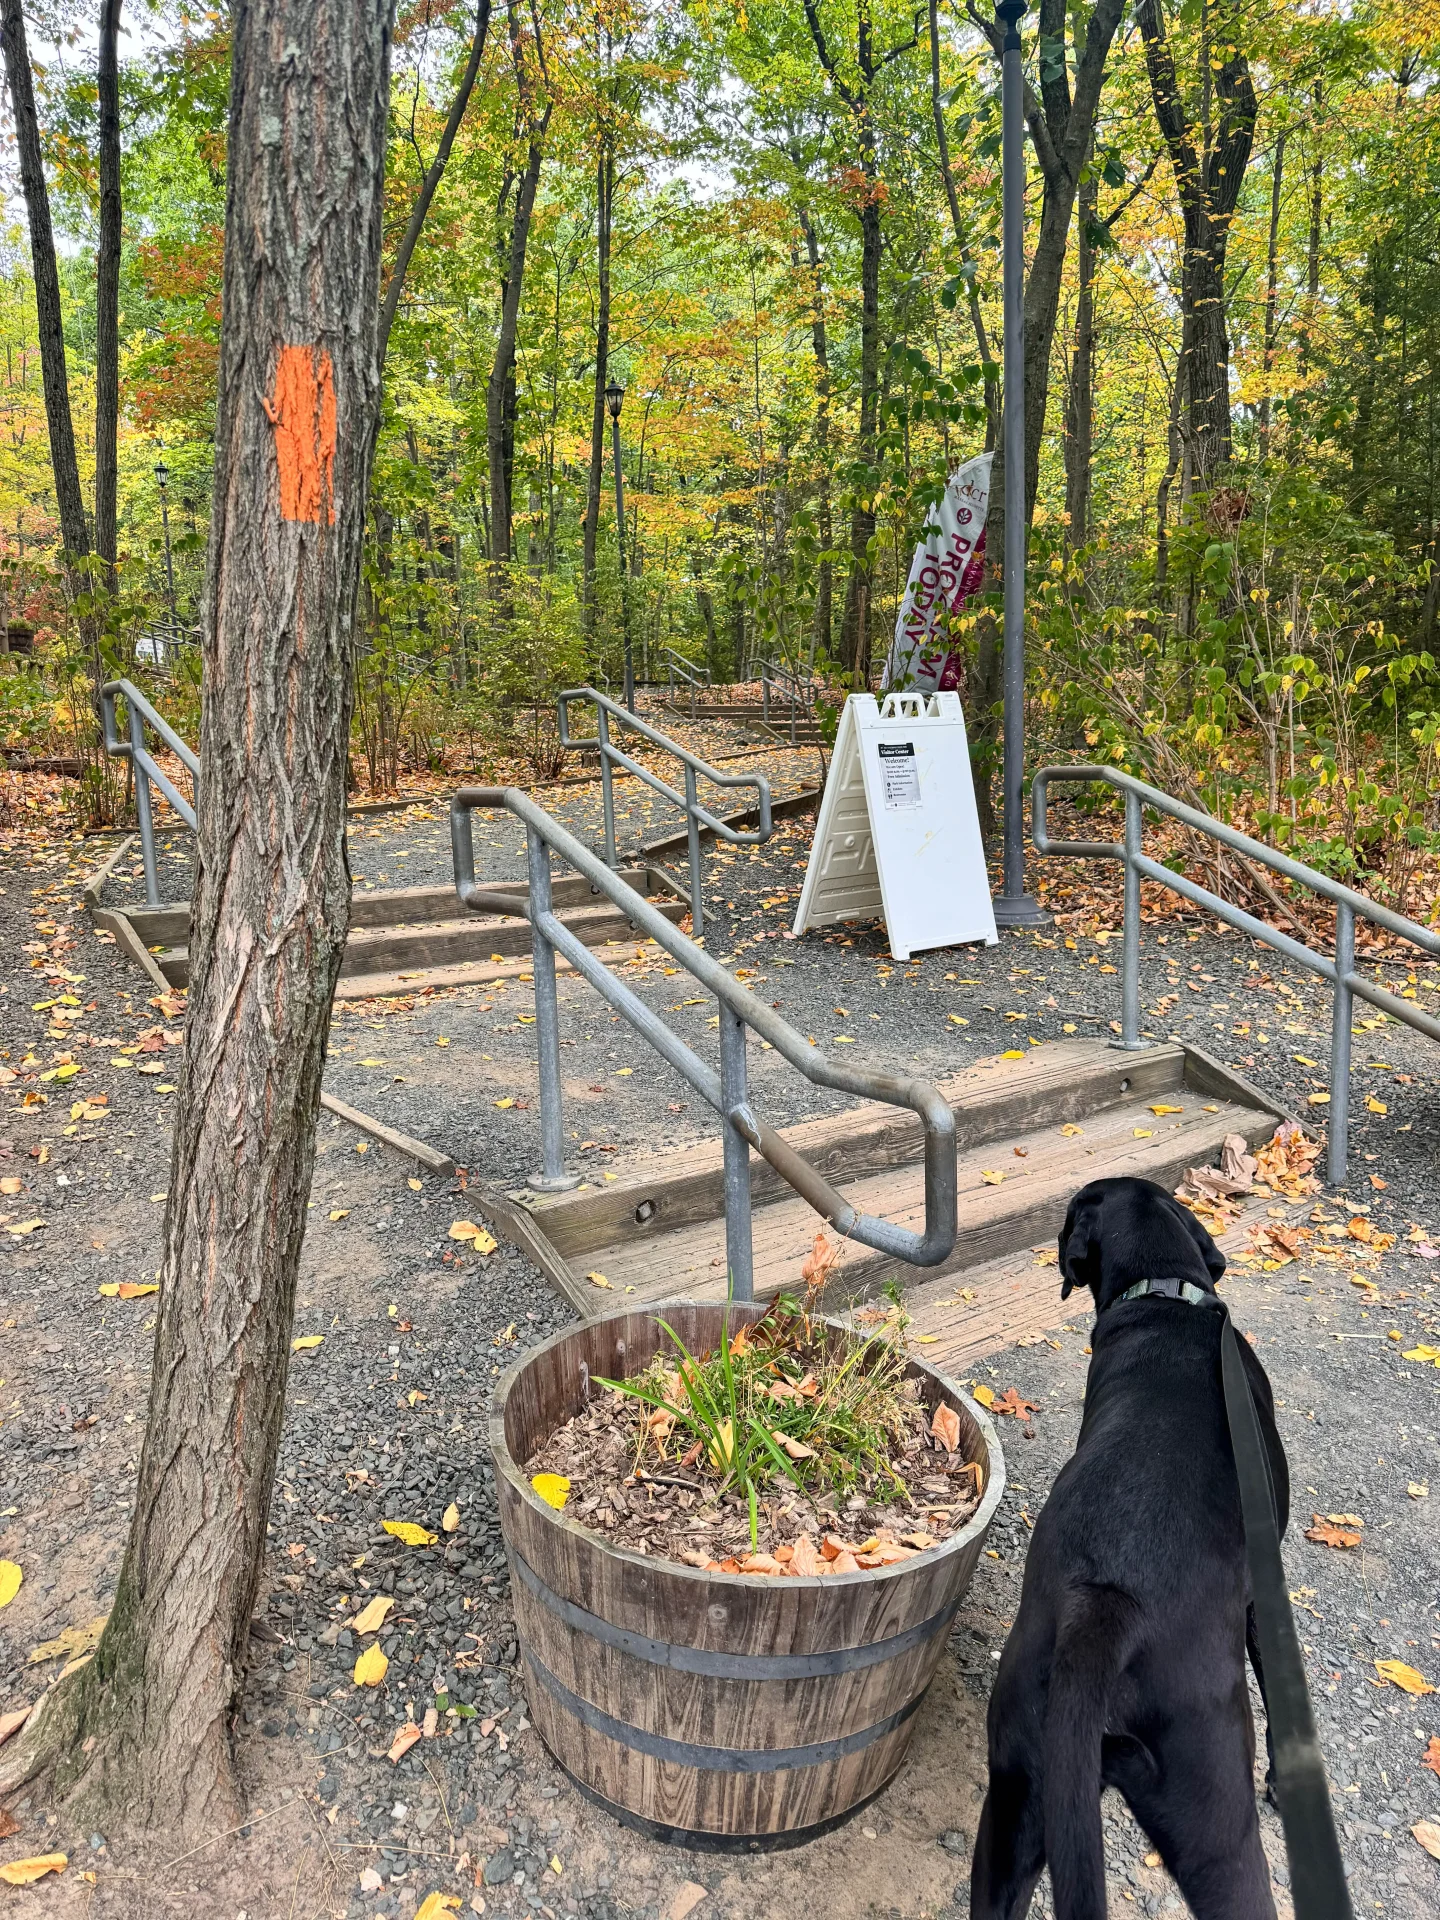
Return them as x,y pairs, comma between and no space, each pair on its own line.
136,1289
22,1227
991,1177
436,1904
478,1238
10,1578
416,1186
1144,1133
372,1666
1070,1130
371,1618
411,1533
508,1101
305,1342
1013,1053
13,1185
1161,1108
450,1519
1425,1355
22,1873
553,1489
340,1213
985,1395
72,1641
1319,1099
1372,1105
1406,1678
597,1280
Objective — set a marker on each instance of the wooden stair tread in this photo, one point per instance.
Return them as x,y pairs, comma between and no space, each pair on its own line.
1063,1080
992,1219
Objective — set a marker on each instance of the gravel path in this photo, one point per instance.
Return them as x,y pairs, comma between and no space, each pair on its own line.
386,1417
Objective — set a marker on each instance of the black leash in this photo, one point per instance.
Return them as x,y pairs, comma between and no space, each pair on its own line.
1317,1873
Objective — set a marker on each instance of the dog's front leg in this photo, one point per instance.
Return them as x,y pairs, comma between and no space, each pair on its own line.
1009,1848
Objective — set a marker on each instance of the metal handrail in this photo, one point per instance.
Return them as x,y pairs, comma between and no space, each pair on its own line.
607,710
697,678
727,1092
146,769
1339,971
796,694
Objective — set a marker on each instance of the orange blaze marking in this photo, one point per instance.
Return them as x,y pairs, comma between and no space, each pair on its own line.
302,413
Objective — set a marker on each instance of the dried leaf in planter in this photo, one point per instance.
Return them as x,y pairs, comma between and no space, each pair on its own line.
805,1562
1327,1533
410,1532
24,1873
372,1617
945,1425
371,1667
1406,1678
403,1741
553,1489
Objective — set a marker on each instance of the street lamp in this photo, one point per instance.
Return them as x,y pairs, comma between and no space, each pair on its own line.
162,477
615,399
1015,907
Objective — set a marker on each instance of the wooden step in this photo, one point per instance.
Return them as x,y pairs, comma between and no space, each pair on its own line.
1063,1081
414,930
657,1229
1027,1206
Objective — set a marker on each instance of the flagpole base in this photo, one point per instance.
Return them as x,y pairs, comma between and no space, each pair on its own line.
1020,910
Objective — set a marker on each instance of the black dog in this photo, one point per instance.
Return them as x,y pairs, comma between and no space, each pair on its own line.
1126,1664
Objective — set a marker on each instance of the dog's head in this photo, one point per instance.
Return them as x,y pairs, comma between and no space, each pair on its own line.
1119,1231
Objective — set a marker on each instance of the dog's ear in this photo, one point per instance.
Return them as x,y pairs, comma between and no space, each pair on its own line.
1080,1245
1214,1260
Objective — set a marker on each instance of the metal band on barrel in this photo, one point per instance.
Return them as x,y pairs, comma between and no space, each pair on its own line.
733,1666
716,1759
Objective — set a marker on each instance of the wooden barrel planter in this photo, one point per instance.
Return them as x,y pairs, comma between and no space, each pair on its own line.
710,1709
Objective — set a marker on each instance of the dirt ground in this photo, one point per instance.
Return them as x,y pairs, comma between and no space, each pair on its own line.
386,1421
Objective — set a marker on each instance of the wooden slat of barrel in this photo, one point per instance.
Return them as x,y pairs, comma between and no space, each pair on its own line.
720,1707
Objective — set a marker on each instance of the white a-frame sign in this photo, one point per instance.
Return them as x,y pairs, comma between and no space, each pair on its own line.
898,834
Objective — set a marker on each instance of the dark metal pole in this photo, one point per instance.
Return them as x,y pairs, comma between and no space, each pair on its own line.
1015,907
620,551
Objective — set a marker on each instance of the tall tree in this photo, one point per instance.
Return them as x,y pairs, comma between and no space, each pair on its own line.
142,1732
50,324
604,215
962,239
855,76
429,184
107,293
1208,180
535,105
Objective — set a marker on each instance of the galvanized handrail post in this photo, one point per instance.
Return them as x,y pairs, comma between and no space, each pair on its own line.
1349,907
692,831
1130,936
735,1101
143,813
607,790
552,1177
1340,1034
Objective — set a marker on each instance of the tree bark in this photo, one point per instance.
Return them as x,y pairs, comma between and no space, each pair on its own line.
1272,286
141,1733
107,295
50,325
590,530
1080,411
820,343
1208,183
395,284
500,388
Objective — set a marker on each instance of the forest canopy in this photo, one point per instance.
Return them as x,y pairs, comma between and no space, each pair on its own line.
777,228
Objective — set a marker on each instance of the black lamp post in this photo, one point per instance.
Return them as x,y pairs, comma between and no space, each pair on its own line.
615,399
162,478
1015,907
